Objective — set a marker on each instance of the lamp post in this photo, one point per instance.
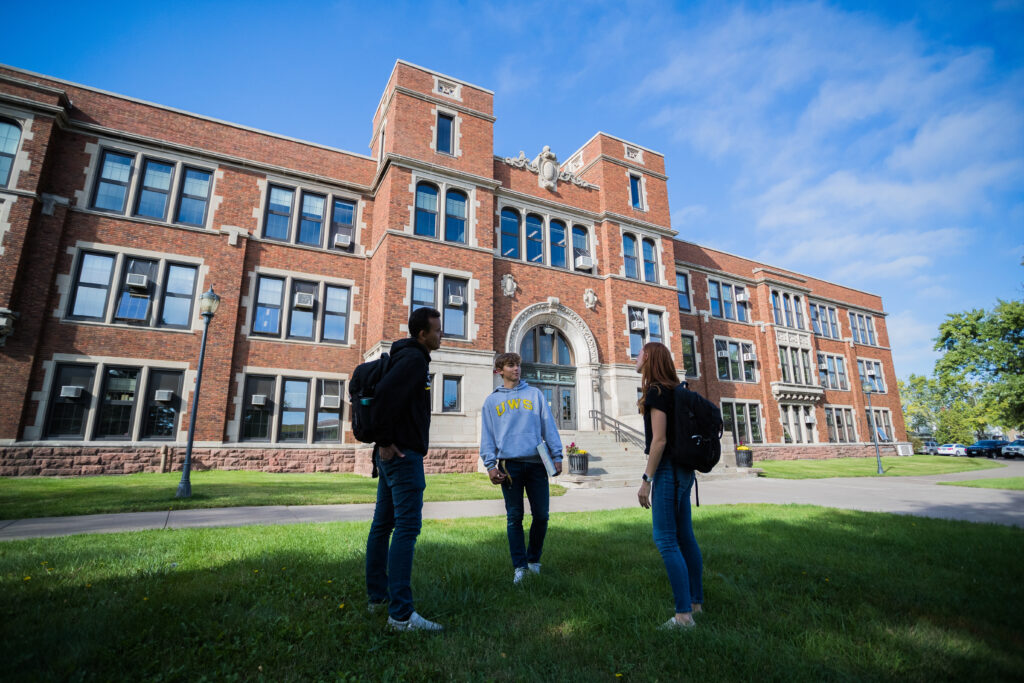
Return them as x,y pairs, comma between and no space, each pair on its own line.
208,303
868,389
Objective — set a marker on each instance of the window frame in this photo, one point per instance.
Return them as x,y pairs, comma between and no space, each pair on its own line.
756,434
457,379
729,308
692,356
630,239
835,368
684,292
101,403
142,187
99,179
450,117
149,402
878,385
319,410
424,213
646,312
182,180
282,410
736,368
449,216
504,220
13,156
301,217
636,191
534,244
83,402
76,284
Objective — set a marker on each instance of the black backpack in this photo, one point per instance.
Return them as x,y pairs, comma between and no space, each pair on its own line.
698,431
362,389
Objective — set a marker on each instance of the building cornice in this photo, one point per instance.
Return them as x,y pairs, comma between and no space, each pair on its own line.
621,162
447,104
782,273
566,209
59,113
613,137
686,265
784,284
640,225
49,89
420,165
439,75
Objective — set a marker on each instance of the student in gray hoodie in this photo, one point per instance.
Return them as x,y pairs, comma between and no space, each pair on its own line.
516,420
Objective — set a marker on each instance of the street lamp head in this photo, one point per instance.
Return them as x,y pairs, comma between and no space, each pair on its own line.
208,303
866,387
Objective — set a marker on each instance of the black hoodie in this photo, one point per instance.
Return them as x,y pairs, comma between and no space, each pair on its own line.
403,397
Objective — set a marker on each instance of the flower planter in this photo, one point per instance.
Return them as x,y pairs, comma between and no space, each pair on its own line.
579,463
744,457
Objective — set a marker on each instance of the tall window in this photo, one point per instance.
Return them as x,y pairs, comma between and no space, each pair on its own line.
629,256
689,355
450,402
580,247
426,210
743,420
137,285
112,188
328,412
650,261
797,423
736,360
879,419
155,190
279,213
302,317
10,134
796,365
509,233
311,220
644,326
683,291
824,321
454,305
832,372
336,314
257,408
534,238
839,422
728,300
445,125
343,226
788,309
117,403
862,328
179,291
92,286
870,371
544,344
193,196
163,404
269,293
558,244
455,216
635,192
294,404
69,401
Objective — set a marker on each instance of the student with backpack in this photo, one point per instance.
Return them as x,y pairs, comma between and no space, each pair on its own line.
400,423
671,483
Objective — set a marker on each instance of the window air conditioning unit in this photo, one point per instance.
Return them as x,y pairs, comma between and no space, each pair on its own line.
723,354
330,401
584,262
164,395
636,325
342,240
742,296
455,300
303,300
259,399
811,419
823,365
871,372
70,391
750,356
137,281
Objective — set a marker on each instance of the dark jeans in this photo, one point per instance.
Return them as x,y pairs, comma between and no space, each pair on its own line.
399,509
673,534
533,478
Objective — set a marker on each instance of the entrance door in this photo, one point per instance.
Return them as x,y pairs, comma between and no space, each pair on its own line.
562,404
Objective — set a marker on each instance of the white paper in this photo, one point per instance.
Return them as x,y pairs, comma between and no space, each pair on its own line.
545,457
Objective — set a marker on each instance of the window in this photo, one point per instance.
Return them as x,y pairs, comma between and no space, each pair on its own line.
881,422
736,360
137,286
743,420
117,403
328,411
257,408
839,422
267,319
787,309
455,216
343,226
824,321
426,210
545,344
832,372
581,248
163,405
112,188
311,220
558,244
796,365
689,355
308,228
863,328
304,304
870,371
534,238
728,300
69,401
797,423
450,397
683,291
155,190
335,314
92,284
510,233
636,192
644,326
10,134
178,295
294,405
454,306
315,311
193,196
650,261
279,213
629,256
445,126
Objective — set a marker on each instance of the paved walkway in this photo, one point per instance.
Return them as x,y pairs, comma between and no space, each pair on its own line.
919,496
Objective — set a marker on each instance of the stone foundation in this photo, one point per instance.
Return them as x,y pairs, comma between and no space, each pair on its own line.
820,451
73,461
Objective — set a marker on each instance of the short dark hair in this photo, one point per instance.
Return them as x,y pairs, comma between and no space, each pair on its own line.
419,321
504,359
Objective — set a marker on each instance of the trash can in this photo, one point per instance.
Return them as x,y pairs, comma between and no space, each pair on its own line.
744,457
579,462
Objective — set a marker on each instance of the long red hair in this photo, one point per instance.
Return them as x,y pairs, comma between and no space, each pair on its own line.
657,370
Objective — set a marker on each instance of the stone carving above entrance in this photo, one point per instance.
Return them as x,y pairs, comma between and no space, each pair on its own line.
562,317
590,299
793,338
508,285
545,165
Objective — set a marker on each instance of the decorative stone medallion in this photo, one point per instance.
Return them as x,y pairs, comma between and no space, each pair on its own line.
508,285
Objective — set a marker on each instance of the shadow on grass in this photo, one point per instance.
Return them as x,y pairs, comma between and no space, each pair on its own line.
793,593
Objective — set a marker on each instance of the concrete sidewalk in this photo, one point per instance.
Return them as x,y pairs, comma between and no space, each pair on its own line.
920,496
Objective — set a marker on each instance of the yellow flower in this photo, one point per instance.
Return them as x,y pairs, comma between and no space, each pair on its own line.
145,598
341,606
28,578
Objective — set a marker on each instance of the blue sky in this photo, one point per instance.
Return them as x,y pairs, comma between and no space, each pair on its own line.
875,144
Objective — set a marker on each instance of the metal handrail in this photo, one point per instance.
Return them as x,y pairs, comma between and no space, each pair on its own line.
623,432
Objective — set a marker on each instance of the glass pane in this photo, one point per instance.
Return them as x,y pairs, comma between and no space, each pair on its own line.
422,291
455,204
116,167
558,245
654,323
96,269
527,349
579,238
728,418
9,135
634,190
313,206
455,229
197,183
270,291
90,302
301,323
450,400
444,133
650,266
563,351
335,327
337,300
426,198
110,196
727,301
689,356
742,435
191,210
723,361
133,307
755,424
267,320
734,360
158,176
5,169
509,233
741,306
281,200
175,311
546,346
454,322
716,299
152,204
344,212
309,232
683,291
181,279
277,227
118,400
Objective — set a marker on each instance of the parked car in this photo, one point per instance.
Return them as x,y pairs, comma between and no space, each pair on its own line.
952,449
930,447
989,448
1014,449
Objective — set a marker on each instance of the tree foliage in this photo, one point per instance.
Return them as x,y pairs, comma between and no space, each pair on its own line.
953,414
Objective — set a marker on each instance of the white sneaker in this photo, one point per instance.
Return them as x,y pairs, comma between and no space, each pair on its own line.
534,567
672,625
414,623
519,575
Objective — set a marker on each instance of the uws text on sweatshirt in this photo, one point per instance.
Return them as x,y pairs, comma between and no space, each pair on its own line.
515,421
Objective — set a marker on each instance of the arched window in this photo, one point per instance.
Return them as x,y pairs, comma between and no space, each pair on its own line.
426,210
534,238
510,233
455,216
650,262
629,256
557,244
581,247
10,133
545,344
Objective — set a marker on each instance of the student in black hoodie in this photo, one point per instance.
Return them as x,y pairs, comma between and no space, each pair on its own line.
403,408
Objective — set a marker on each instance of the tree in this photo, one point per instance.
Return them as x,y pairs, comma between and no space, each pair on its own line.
952,413
983,355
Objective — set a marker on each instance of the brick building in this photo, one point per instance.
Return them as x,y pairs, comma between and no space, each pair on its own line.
116,214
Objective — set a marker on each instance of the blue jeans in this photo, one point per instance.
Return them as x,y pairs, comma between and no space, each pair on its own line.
533,478
673,534
399,509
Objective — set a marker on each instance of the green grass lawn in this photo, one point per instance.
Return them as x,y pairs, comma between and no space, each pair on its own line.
893,466
793,593
1009,483
23,497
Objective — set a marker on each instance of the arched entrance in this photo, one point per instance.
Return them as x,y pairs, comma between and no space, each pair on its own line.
548,365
